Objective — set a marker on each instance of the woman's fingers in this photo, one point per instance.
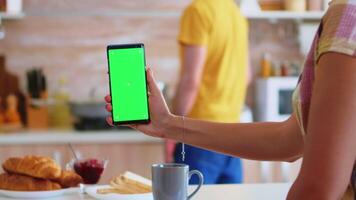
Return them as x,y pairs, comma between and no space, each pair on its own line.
108,99
109,120
154,90
108,107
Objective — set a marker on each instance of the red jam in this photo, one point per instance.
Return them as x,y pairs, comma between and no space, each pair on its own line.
90,170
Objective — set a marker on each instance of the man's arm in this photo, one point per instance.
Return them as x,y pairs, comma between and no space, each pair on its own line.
193,59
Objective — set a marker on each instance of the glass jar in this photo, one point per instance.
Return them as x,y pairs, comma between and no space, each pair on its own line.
295,5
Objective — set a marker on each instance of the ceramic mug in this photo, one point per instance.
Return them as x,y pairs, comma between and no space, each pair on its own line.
170,181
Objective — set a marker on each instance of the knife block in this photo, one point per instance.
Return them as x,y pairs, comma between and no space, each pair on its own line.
37,117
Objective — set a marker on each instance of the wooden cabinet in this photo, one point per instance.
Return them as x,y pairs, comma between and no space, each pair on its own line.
125,150
136,157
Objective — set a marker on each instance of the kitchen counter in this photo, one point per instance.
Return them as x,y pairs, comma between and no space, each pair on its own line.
124,148
214,192
77,137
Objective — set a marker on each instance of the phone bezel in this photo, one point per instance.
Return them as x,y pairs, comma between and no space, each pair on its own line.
127,46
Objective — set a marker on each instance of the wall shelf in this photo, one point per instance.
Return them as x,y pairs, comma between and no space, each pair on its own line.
4,15
276,15
78,137
8,16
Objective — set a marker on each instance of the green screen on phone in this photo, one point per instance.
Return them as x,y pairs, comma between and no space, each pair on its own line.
128,84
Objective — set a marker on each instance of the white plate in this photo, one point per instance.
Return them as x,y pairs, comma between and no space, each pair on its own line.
92,191
35,194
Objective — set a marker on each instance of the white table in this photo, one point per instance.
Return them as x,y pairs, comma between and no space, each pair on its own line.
213,192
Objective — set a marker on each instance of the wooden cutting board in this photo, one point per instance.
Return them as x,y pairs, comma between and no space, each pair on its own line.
9,84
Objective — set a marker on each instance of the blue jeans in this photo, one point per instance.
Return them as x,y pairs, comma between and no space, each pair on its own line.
217,168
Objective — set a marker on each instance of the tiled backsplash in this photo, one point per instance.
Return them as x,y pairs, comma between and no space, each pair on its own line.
68,39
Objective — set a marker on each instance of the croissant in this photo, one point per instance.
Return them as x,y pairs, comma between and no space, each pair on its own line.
69,179
17,182
35,166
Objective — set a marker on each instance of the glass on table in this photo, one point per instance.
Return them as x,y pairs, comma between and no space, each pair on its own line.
89,169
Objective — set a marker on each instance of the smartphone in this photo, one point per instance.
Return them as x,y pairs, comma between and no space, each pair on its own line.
128,84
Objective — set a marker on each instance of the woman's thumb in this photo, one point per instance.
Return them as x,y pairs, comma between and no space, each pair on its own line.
151,82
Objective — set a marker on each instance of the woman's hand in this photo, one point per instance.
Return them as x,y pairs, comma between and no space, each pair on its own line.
160,115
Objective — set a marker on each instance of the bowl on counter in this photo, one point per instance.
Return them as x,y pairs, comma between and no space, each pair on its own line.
89,115
88,109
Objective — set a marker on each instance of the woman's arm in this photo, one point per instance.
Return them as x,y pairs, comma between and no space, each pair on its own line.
330,149
260,141
274,141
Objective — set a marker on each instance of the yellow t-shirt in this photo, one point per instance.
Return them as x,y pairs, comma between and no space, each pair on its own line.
218,25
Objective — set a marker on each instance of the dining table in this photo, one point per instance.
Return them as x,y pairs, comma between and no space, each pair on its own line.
267,191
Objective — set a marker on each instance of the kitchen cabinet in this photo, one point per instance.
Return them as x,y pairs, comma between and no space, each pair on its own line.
8,16
134,157
125,151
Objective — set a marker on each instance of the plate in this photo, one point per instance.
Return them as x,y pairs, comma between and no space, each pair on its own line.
34,194
91,191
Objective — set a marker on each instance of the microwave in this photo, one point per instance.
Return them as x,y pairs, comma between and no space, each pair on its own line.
274,98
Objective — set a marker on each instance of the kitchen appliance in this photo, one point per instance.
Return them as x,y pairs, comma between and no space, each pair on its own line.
14,6
274,103
248,6
274,98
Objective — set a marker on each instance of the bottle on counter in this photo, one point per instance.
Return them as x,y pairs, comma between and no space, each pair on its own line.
266,66
284,69
59,113
276,69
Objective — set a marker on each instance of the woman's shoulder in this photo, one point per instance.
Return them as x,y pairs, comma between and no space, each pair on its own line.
338,31
341,11
335,2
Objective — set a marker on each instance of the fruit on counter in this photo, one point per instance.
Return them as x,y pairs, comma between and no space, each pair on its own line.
90,169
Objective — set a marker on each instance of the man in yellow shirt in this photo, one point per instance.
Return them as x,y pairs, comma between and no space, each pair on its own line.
213,40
